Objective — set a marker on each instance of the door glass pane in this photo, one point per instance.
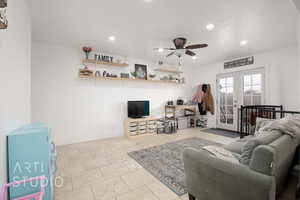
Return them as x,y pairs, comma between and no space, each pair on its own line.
247,100
247,80
256,79
223,83
226,97
253,89
257,100
230,99
222,114
229,82
230,119
247,89
223,119
229,90
222,98
256,89
230,110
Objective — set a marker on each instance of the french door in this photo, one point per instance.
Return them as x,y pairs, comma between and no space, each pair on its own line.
236,89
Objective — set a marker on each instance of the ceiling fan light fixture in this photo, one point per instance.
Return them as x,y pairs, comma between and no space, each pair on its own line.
160,50
210,27
243,42
112,38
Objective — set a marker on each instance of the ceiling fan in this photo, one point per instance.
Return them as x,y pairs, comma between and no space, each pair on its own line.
180,48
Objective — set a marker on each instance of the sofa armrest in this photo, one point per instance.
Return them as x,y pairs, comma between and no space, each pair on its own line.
262,160
210,178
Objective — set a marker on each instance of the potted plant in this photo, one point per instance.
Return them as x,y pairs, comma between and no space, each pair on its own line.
133,74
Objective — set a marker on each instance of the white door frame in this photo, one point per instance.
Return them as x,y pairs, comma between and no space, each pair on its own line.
238,94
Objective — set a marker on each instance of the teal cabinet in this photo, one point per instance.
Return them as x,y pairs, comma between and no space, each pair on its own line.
30,153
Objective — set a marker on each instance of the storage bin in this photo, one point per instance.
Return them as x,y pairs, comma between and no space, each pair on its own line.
182,122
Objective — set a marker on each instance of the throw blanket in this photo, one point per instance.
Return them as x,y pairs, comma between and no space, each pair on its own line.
222,153
289,125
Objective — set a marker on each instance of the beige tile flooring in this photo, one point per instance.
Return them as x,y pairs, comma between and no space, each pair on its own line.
102,170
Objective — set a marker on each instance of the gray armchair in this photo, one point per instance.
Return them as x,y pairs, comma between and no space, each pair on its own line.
209,178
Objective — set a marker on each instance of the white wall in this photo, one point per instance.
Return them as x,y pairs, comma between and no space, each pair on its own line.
15,47
299,59
281,67
82,110
297,8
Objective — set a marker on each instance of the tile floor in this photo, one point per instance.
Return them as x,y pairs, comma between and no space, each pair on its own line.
102,170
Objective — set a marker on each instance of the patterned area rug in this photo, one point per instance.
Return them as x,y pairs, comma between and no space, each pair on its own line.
165,161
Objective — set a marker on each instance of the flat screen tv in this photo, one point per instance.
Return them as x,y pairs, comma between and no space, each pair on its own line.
138,109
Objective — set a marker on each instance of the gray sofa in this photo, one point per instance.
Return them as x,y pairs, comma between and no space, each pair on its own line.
261,178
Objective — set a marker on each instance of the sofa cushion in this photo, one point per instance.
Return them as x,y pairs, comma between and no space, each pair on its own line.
237,145
223,154
254,142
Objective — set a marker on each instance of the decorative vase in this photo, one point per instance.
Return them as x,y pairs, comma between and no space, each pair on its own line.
87,51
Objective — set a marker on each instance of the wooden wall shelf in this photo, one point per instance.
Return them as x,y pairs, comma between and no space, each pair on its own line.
126,79
90,61
169,71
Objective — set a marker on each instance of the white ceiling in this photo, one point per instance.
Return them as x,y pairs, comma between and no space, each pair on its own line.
140,26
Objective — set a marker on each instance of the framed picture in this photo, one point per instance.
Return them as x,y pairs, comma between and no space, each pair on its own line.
141,71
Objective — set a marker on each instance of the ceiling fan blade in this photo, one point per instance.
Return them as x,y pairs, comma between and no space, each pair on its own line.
196,46
179,43
156,49
170,54
169,48
190,53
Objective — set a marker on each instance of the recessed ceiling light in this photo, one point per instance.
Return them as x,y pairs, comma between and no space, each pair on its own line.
194,57
243,42
112,38
160,50
210,27
148,1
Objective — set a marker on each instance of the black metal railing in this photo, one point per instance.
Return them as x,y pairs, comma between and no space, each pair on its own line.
249,114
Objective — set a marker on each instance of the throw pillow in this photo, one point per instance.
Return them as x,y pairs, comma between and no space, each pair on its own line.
289,125
260,123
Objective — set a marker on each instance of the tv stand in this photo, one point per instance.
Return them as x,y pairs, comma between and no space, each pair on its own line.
140,126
